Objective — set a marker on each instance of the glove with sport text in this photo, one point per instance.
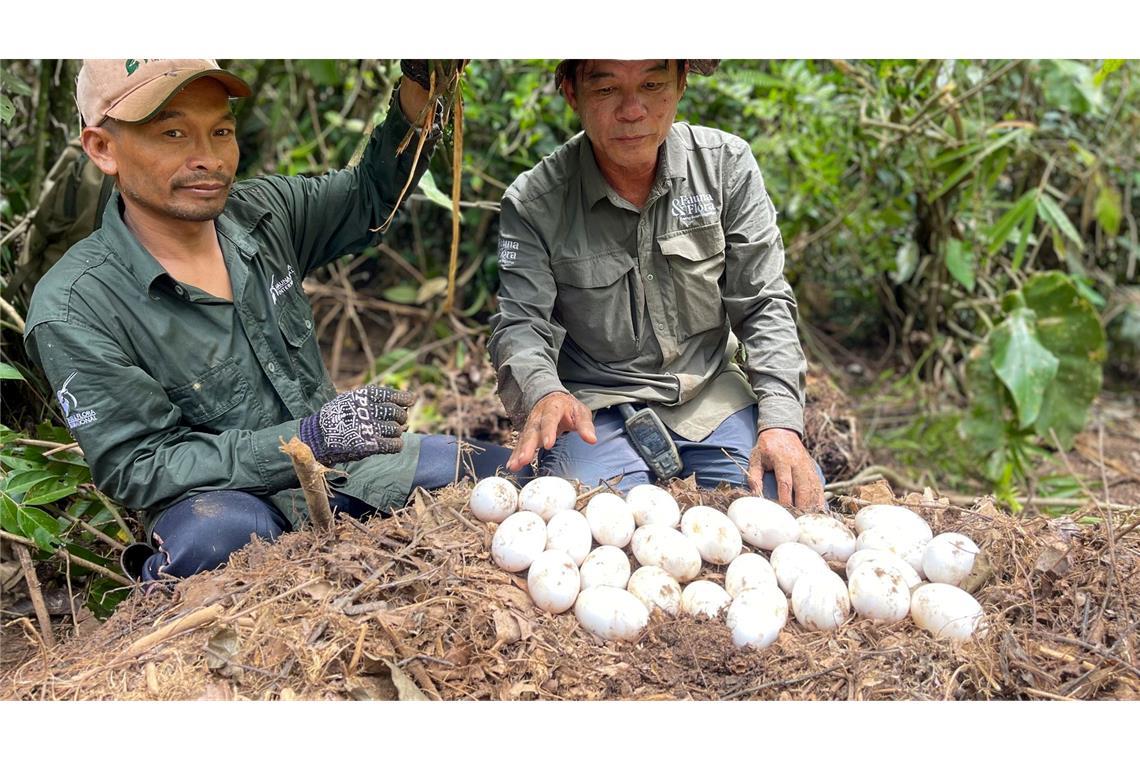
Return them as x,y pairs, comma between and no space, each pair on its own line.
358,424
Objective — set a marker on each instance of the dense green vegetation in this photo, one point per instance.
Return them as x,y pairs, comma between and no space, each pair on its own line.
963,231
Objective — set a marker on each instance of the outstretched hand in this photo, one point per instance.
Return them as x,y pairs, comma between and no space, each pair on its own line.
782,452
553,415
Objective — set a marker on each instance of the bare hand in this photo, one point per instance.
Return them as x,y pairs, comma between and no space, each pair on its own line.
553,415
782,452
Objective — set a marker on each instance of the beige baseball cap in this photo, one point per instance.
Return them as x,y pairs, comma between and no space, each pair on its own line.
135,90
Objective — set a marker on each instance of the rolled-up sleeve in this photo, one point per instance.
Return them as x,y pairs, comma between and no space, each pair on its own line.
524,342
760,303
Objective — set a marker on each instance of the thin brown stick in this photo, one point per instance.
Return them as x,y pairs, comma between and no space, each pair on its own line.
188,622
86,526
69,557
33,582
456,194
311,475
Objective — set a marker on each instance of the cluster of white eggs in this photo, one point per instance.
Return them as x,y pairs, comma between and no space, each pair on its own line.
894,565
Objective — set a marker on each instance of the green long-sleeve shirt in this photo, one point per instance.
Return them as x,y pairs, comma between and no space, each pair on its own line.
171,391
614,303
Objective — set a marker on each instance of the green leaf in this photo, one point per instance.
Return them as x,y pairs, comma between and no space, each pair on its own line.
22,482
38,526
7,110
960,263
430,289
968,167
1069,327
51,491
8,511
1108,210
1048,209
1024,365
14,84
999,233
404,293
8,372
432,191
1023,236
1110,66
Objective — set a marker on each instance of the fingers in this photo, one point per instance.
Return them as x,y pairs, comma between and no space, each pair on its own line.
389,445
756,472
584,423
380,394
783,475
525,450
809,491
390,413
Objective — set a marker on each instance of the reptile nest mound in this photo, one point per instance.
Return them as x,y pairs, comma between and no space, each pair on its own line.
412,607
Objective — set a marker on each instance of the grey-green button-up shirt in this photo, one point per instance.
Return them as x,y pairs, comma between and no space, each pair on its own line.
614,303
172,391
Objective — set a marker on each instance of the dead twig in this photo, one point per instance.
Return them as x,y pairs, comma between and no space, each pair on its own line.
311,475
33,583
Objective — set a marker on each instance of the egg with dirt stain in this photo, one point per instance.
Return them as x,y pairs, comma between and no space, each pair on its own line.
653,505
792,560
826,536
756,616
888,515
605,566
667,548
570,532
518,541
704,598
884,558
748,571
946,611
820,601
553,581
879,592
717,538
547,495
949,558
655,588
611,613
763,523
494,499
611,520
901,540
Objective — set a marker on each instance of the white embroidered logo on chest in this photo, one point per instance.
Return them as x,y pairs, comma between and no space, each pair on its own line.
689,207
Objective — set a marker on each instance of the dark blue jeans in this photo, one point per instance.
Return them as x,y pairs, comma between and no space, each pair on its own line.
200,532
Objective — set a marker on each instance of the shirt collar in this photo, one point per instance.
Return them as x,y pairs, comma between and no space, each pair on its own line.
237,220
671,164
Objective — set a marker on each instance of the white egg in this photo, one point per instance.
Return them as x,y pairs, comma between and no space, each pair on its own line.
827,536
611,613
763,523
901,540
879,592
611,520
605,566
717,538
946,611
547,496
553,581
820,601
791,560
518,541
570,532
653,505
883,558
494,499
878,515
704,598
656,588
757,615
748,571
949,558
667,548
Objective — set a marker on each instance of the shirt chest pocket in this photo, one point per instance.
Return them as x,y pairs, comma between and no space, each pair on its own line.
218,400
295,321
595,304
696,265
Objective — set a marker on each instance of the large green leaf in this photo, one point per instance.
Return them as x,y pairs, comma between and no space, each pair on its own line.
1024,365
22,482
1069,328
1048,210
8,511
1016,215
38,526
52,490
8,372
985,424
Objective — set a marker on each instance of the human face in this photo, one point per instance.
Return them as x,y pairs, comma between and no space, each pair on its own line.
626,108
181,163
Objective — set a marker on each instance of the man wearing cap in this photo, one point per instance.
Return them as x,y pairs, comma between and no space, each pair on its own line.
178,338
634,262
